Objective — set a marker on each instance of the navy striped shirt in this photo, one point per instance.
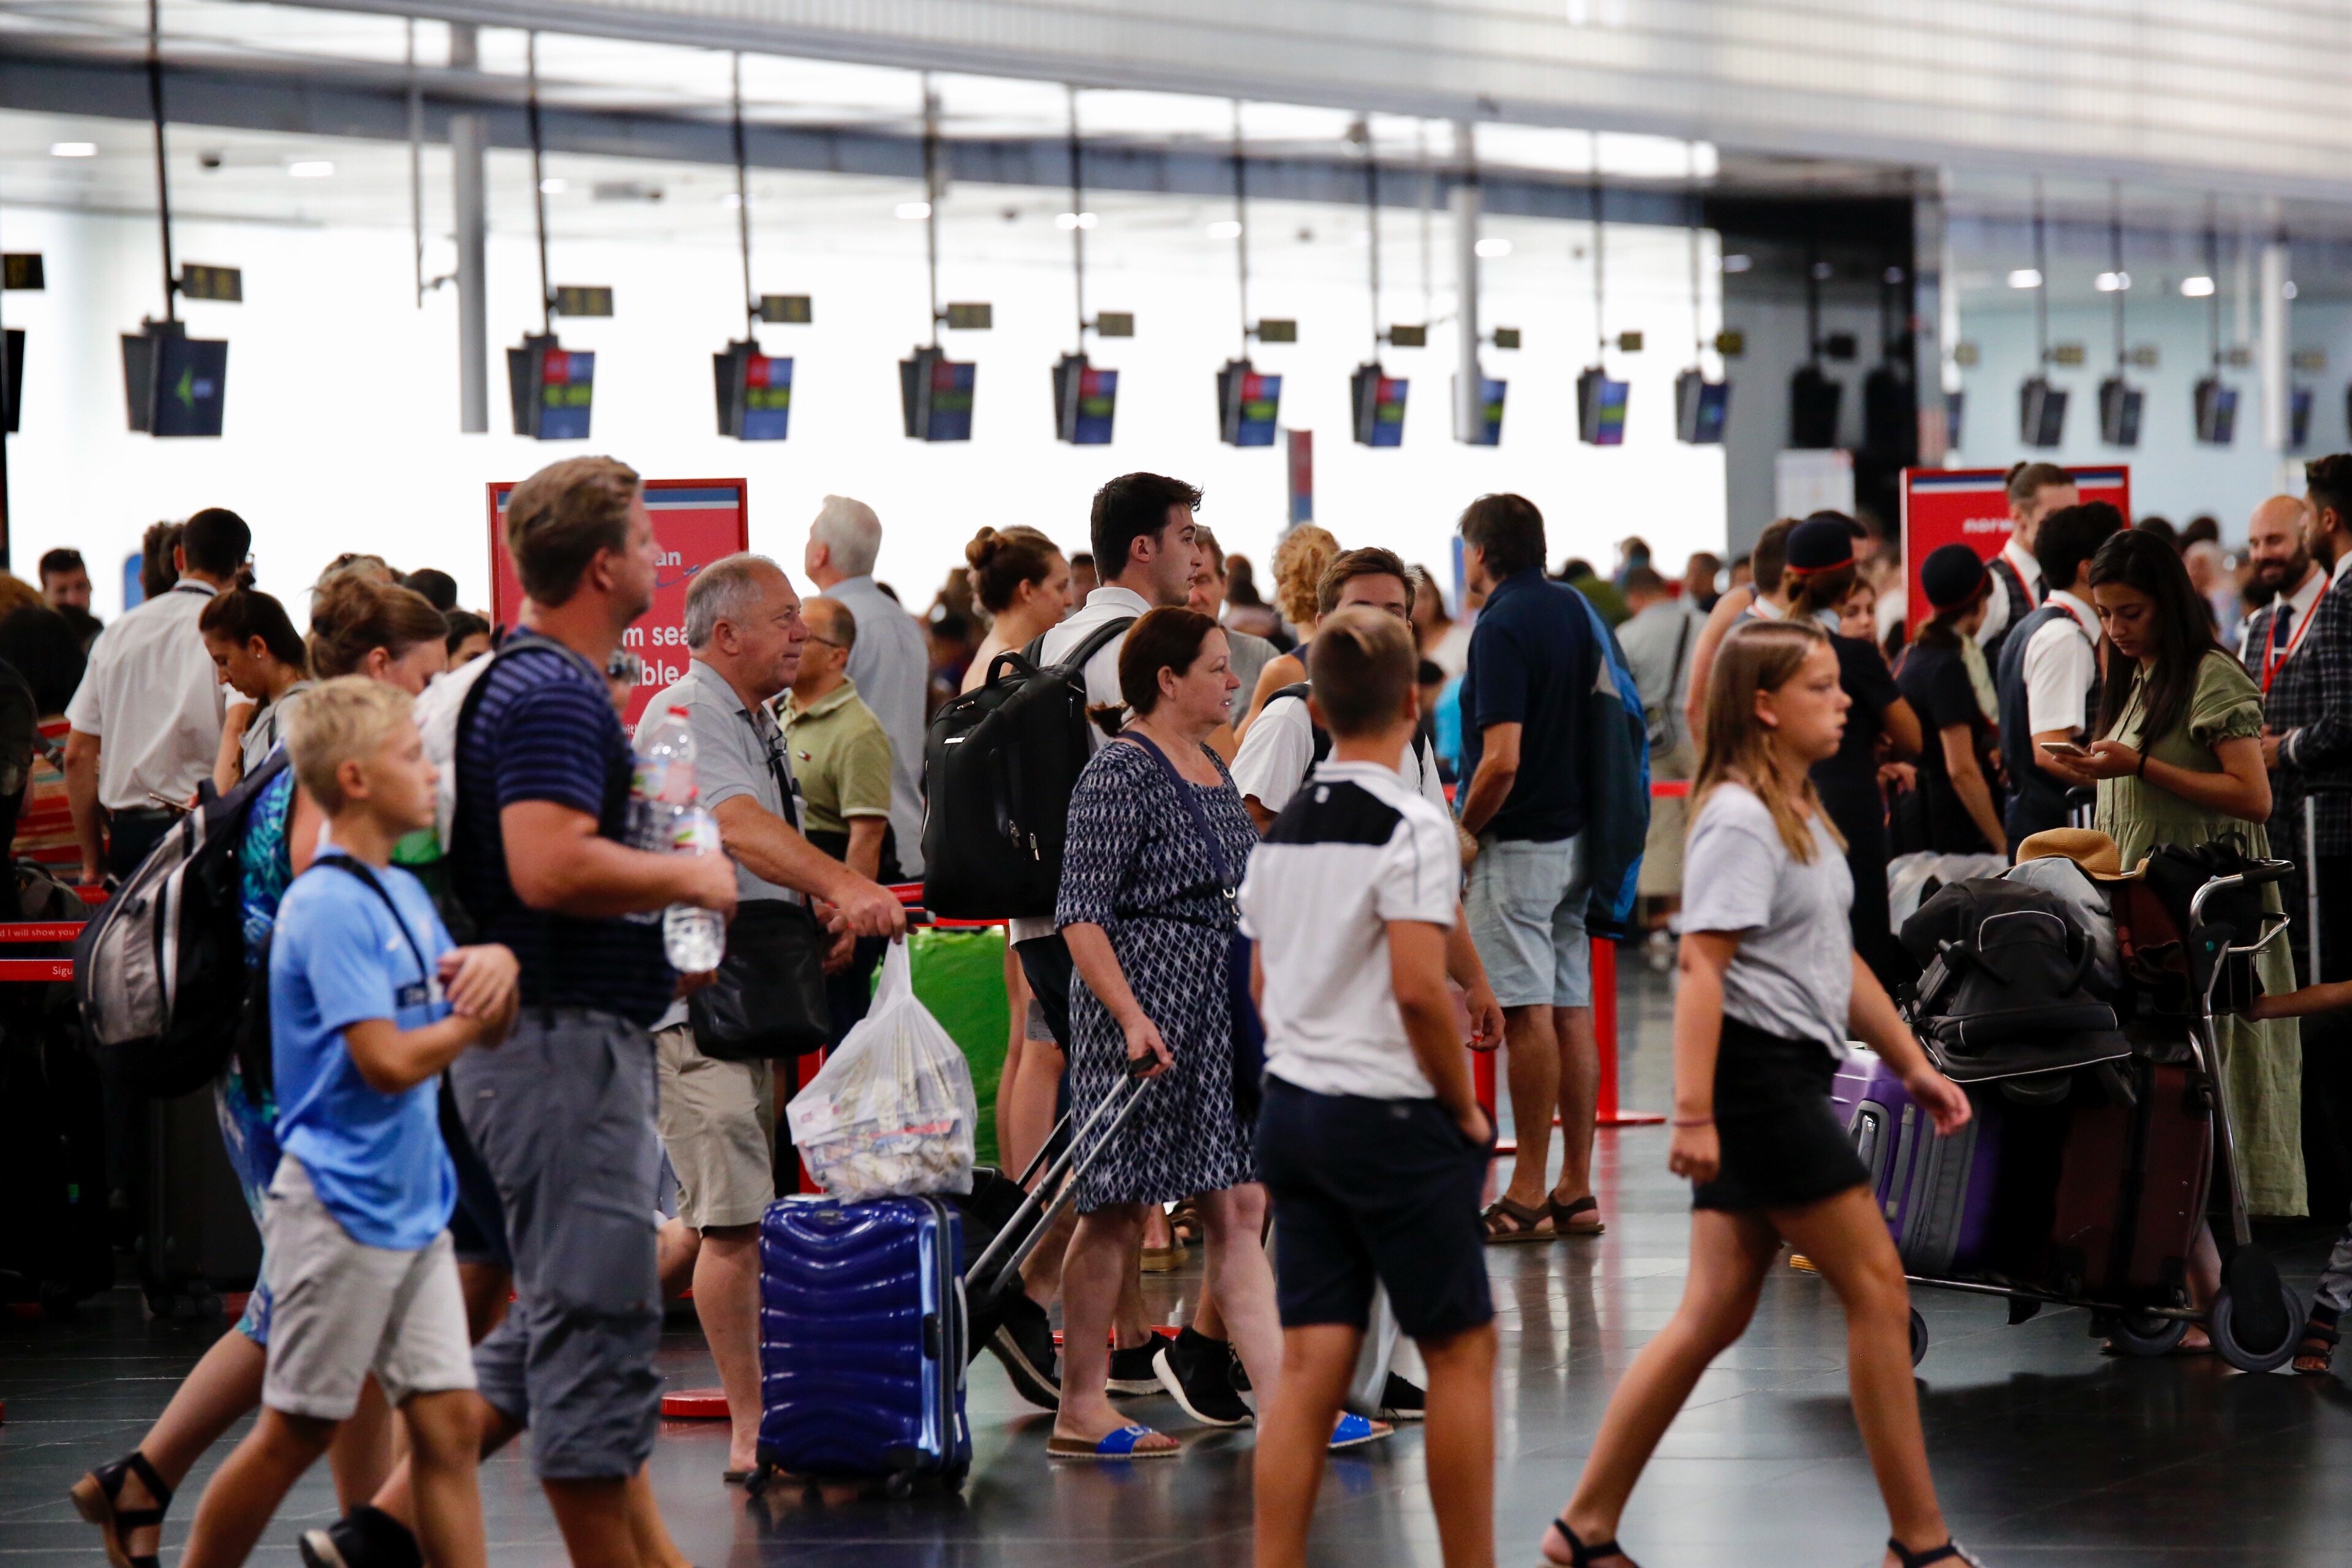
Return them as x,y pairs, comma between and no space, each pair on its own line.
544,729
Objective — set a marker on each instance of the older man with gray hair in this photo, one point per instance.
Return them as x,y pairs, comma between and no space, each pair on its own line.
744,630
889,664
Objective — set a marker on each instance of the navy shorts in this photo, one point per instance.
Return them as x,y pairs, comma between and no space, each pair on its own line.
1367,1189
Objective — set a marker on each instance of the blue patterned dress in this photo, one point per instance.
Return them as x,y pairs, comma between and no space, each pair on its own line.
248,1123
1134,865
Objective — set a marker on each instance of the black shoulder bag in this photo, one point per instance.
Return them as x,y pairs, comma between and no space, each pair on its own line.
768,1001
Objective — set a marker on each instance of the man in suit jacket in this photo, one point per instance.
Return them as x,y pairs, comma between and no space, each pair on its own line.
2307,745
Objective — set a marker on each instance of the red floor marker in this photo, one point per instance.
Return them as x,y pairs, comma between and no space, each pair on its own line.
695,1404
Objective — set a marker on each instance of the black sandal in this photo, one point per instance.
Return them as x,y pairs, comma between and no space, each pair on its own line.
93,1497
2326,1337
1579,1555
1950,1552
1561,1213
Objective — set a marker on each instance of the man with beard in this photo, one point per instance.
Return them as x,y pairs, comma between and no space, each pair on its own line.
2286,581
2300,649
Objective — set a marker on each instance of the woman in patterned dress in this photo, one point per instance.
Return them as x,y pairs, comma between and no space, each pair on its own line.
1147,907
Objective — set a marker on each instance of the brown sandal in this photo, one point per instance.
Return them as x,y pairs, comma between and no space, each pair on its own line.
1506,1222
2315,1362
1561,1213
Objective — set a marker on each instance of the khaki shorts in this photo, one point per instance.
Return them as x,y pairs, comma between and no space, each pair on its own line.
343,1310
719,1123
1661,856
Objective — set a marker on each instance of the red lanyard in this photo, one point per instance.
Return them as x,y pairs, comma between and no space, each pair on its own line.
2274,656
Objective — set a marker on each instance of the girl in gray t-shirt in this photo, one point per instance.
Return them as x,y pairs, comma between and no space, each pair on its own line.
1771,989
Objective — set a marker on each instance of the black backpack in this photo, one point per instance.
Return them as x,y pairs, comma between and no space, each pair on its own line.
2005,988
999,764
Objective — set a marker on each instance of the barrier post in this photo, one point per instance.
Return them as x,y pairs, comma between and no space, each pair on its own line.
1606,1112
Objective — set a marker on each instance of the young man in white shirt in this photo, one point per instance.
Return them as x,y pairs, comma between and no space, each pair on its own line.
2048,671
1372,1144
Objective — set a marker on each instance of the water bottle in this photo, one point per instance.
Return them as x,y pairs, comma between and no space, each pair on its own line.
693,938
661,785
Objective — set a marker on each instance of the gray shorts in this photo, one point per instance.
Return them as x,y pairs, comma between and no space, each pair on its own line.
562,1115
343,1310
1524,905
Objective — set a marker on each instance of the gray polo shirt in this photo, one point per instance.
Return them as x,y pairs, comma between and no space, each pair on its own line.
892,669
733,746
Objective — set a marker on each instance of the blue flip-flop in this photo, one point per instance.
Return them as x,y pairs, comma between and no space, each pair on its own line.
1354,1431
1120,1445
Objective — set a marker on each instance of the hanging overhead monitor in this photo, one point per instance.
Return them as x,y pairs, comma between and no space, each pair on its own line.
1955,409
2217,411
174,384
755,393
1490,431
1248,403
2298,417
1084,399
2119,407
1813,404
935,395
1377,398
1600,408
551,388
12,383
1700,407
2041,413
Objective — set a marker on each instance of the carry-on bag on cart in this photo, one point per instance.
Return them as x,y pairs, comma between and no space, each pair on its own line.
862,1342
2134,1170
1938,1194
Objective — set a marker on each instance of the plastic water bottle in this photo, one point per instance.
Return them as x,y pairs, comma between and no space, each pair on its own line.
661,785
693,938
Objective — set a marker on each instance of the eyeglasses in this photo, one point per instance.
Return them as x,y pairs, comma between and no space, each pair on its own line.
827,641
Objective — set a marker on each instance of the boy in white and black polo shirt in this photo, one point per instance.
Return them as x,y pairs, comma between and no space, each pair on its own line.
1371,1141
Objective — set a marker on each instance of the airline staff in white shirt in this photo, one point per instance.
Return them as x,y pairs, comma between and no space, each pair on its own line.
2035,490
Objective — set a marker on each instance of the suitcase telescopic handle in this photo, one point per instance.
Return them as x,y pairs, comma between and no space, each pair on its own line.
1047,1195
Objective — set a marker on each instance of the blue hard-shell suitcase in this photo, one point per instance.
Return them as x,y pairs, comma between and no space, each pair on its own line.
862,1334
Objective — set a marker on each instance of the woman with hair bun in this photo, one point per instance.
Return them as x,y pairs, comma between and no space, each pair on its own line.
381,630
1022,580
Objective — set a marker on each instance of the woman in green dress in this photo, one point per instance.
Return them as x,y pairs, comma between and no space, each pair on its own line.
2181,762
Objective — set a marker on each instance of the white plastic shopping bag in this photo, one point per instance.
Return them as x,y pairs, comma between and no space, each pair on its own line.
892,1113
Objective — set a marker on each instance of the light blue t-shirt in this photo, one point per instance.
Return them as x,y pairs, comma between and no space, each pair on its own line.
338,958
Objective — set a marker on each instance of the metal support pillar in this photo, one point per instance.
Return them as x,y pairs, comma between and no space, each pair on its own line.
469,143
2271,354
1469,380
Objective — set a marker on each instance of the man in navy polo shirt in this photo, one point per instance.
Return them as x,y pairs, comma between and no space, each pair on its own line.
1531,665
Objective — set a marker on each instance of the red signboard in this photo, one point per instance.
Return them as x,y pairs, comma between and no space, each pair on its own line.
696,521
1970,506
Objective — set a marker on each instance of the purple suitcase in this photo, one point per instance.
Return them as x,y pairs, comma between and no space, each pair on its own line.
1935,1192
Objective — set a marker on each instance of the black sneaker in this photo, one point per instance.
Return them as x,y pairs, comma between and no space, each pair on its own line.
1132,1371
1402,1401
1024,1344
367,1537
1194,1371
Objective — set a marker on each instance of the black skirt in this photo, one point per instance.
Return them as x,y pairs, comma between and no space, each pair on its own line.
1782,1145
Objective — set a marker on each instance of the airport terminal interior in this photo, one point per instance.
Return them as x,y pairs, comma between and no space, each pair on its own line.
1677,272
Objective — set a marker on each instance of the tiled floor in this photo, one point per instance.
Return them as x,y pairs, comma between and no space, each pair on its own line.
2045,1452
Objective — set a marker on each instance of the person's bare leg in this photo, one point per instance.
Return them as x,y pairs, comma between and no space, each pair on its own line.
727,1301
1579,1087
1531,1062
1729,1255
1242,1281
220,1390
595,1517
1294,1433
654,1547
442,1457
1847,1239
1459,1446
1208,1320
486,1287
493,1428
365,1448
677,1245
1101,1260
245,1492
1130,1321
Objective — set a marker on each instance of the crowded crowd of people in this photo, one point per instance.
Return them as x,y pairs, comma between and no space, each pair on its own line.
1364,804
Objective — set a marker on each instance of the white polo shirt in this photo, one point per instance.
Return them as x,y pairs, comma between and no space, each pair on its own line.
1279,750
153,699
1358,850
2062,664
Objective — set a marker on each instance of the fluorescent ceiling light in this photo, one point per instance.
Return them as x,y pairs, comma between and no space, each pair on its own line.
2195,288
2025,277
1073,220
912,210
553,185
1226,228
731,201
2112,282
73,149
1491,248
310,169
